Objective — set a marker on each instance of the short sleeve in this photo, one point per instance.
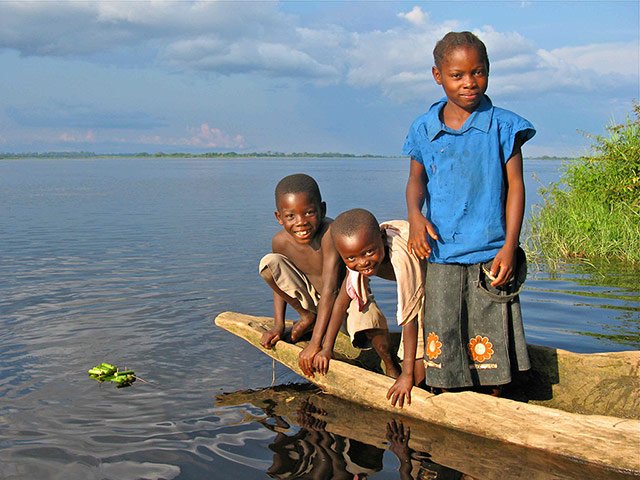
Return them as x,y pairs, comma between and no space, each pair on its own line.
511,128
412,144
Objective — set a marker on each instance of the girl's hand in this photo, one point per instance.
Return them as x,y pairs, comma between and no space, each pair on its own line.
502,266
400,390
321,361
419,229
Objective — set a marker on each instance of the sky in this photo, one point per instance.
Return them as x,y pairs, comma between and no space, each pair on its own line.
299,76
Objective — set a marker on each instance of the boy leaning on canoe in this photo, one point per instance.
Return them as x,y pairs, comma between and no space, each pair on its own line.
367,249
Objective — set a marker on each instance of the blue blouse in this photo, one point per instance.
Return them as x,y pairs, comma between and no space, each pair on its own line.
466,191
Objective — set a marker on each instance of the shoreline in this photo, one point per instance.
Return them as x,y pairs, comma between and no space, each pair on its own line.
161,155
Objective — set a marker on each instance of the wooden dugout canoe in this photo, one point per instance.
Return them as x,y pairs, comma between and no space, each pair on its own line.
309,408
581,406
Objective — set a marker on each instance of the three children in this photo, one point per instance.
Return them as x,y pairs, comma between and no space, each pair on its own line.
466,170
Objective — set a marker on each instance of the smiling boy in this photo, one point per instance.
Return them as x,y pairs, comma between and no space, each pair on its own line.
304,269
305,272
367,249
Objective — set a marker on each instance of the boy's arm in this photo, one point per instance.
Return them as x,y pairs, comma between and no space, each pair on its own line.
401,389
332,273
338,314
419,226
503,264
271,337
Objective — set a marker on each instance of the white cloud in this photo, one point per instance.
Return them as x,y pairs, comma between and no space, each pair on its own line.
273,59
85,27
399,62
205,136
605,58
416,16
202,137
257,38
78,137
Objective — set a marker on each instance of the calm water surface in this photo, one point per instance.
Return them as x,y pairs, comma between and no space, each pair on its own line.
128,261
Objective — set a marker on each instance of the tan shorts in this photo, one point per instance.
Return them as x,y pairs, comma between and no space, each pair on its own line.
295,283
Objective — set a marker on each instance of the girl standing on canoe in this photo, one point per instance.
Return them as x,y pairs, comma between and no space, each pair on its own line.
466,168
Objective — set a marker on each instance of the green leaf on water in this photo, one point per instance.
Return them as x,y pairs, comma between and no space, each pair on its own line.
106,372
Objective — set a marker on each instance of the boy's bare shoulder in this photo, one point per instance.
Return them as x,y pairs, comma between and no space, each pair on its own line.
326,242
280,241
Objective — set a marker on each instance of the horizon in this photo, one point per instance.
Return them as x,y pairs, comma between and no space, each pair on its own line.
78,155
293,76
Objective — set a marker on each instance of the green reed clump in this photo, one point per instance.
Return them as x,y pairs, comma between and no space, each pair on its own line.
594,211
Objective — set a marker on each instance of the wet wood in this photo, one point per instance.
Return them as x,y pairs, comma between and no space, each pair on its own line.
606,441
482,458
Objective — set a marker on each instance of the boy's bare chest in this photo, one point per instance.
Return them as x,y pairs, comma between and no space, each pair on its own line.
308,259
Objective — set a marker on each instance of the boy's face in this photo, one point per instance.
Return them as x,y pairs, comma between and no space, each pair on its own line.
463,76
362,252
300,216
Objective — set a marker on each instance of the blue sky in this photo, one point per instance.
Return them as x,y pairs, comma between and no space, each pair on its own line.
187,76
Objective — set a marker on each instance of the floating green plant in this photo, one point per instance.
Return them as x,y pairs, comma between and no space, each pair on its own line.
108,373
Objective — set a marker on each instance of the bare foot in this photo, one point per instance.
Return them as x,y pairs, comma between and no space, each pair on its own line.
303,326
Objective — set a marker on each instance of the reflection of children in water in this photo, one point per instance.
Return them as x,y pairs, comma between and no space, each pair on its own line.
314,453
416,465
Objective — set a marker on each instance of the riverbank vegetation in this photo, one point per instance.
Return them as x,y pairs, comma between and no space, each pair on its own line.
593,213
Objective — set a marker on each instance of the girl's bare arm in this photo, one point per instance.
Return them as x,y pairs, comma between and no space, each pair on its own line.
504,263
419,226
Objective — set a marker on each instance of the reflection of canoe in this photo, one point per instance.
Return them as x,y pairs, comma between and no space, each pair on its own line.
579,382
481,458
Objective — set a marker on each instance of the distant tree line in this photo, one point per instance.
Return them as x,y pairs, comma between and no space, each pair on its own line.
267,154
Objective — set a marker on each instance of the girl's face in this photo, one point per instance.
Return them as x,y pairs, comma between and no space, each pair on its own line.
463,76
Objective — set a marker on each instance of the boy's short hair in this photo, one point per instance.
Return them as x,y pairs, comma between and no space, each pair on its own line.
352,221
453,40
298,183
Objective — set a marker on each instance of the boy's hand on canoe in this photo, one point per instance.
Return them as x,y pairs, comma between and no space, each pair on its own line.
270,338
400,390
306,357
321,361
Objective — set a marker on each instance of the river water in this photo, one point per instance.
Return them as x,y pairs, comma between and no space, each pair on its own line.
128,261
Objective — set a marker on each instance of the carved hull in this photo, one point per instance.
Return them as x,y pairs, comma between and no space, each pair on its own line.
584,383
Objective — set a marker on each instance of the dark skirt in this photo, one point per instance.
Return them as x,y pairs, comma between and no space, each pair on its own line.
473,332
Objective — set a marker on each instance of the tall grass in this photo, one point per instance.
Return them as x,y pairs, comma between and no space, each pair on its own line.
594,211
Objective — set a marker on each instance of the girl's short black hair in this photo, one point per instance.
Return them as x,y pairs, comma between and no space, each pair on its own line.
298,183
453,40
